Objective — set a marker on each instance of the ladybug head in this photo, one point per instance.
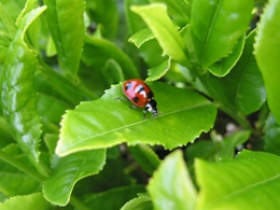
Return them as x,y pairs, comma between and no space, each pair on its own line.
151,106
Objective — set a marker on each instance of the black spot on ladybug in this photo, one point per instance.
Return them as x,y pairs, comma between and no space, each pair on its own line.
150,94
128,86
140,88
136,99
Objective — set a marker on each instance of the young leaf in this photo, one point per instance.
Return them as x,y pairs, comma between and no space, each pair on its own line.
164,31
19,97
68,170
272,135
142,202
66,23
216,26
157,72
32,201
267,54
180,121
141,37
249,181
171,187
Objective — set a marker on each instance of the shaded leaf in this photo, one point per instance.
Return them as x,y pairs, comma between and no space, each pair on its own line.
171,187
68,170
180,121
248,182
142,202
267,54
66,24
164,31
216,26
272,135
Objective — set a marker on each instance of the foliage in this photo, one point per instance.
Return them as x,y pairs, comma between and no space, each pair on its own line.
66,143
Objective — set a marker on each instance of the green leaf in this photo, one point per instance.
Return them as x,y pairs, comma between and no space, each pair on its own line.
113,199
68,170
7,21
178,10
164,31
171,187
267,54
32,201
142,202
224,65
229,144
66,23
216,26
98,51
272,135
248,182
145,157
141,37
19,97
157,72
189,111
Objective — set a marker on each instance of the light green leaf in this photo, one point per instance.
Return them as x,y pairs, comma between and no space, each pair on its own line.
224,65
68,170
19,97
229,144
164,31
272,135
171,187
145,157
157,72
216,26
66,24
32,201
251,181
114,198
180,121
7,21
142,202
267,54
141,37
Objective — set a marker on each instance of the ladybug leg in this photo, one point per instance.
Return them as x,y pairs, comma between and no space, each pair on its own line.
133,107
121,98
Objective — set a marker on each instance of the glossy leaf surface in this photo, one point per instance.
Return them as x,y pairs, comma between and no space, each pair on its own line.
68,170
164,31
180,121
216,26
19,97
267,54
66,23
248,182
171,187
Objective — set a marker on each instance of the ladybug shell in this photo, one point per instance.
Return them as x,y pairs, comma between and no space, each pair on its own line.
138,92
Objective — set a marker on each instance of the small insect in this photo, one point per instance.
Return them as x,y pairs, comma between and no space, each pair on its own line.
141,95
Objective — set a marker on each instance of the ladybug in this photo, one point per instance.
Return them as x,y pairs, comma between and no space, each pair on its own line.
141,95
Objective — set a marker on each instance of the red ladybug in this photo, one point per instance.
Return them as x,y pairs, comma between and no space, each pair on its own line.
141,95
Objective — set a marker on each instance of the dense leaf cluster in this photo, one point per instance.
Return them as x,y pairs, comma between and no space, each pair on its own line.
66,143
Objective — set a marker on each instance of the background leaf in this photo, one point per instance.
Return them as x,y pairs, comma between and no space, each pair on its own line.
171,187
216,26
67,33
250,181
143,203
68,170
87,126
267,54
272,135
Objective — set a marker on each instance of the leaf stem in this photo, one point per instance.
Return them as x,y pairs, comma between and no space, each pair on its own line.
18,164
77,203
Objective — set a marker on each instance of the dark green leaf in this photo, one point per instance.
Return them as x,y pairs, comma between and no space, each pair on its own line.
145,157
216,26
180,121
272,135
267,54
250,181
171,187
68,170
66,23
